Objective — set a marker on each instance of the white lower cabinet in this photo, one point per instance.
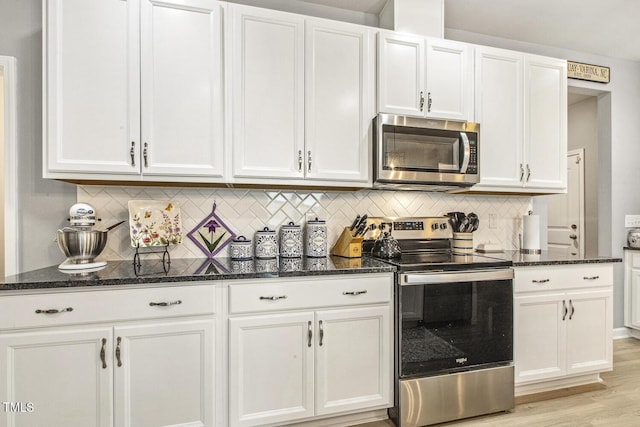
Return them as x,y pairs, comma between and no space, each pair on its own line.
153,372
563,322
296,358
632,290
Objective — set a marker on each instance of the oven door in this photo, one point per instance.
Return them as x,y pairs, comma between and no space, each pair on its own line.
454,321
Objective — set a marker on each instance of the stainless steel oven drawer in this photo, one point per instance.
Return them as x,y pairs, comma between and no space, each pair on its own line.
432,400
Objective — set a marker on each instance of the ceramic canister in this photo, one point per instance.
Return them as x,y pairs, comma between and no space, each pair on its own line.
316,238
240,248
266,243
291,241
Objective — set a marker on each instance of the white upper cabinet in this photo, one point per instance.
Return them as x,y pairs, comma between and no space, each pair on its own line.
521,105
267,82
425,77
401,75
339,92
91,91
100,120
301,96
182,100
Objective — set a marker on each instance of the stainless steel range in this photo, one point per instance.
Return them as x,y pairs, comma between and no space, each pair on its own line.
453,326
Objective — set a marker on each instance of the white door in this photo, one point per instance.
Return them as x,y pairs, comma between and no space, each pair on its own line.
545,101
271,365
566,211
61,373
92,86
449,80
354,359
499,110
182,96
164,374
401,74
339,76
539,344
267,82
589,331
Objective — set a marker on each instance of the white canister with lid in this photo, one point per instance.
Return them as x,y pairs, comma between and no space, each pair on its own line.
316,238
291,241
240,248
633,238
266,243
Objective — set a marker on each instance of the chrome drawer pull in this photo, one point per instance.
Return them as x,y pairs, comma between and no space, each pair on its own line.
591,277
103,353
354,292
132,153
564,308
118,342
54,310
309,334
573,309
274,298
540,281
321,332
165,304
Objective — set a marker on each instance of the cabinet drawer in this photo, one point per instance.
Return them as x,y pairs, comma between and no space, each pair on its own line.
573,276
277,295
25,311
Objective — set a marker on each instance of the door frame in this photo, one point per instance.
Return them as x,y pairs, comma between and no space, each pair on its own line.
581,207
10,165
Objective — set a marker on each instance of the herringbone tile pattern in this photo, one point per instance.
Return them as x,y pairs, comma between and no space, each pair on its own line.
247,211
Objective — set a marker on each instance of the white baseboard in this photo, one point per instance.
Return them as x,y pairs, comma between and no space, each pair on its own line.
345,420
620,333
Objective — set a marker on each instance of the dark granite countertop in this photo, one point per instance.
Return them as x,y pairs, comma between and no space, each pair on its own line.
122,273
549,257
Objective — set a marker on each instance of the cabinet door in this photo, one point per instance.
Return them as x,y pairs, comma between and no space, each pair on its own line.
589,331
539,337
499,110
449,80
545,155
632,305
59,372
401,74
182,104
271,368
267,82
339,72
164,374
92,87
353,360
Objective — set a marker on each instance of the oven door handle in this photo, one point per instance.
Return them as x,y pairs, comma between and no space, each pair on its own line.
467,152
455,277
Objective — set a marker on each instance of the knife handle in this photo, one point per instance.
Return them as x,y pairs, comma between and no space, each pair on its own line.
354,223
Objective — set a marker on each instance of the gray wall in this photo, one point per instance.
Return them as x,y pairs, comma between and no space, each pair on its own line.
43,204
616,165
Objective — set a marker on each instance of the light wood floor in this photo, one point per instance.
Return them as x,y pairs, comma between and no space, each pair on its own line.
617,404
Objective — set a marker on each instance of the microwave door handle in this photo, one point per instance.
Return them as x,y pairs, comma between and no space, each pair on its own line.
467,152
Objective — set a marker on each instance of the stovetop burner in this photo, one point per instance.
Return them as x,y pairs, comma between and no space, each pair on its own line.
426,245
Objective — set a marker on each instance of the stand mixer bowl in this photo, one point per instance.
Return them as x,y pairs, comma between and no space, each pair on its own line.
81,246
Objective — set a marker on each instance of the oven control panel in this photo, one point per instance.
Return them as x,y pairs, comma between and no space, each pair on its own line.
410,228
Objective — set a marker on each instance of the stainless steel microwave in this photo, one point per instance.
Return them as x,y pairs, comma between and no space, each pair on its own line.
437,155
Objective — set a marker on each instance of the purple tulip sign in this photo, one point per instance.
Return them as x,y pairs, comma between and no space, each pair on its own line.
211,235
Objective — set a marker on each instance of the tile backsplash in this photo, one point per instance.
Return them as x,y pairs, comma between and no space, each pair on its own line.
246,211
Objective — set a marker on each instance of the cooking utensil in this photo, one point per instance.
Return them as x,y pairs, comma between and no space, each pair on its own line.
361,229
111,227
474,222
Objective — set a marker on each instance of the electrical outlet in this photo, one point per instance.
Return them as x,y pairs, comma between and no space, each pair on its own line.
632,221
493,221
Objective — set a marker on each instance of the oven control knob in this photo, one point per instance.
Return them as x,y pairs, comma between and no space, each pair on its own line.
434,226
443,226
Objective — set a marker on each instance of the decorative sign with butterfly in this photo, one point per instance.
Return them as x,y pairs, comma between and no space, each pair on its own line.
154,223
211,235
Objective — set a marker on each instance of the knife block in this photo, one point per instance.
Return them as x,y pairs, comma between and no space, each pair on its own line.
347,246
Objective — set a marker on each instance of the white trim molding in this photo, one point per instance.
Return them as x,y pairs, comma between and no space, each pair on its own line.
10,167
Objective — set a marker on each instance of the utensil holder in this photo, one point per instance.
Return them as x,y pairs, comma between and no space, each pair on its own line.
462,244
347,246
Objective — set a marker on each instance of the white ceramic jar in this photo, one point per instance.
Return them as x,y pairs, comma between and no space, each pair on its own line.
240,248
633,238
290,241
266,244
316,238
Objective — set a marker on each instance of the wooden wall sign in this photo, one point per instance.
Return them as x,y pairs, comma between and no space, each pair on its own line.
592,73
